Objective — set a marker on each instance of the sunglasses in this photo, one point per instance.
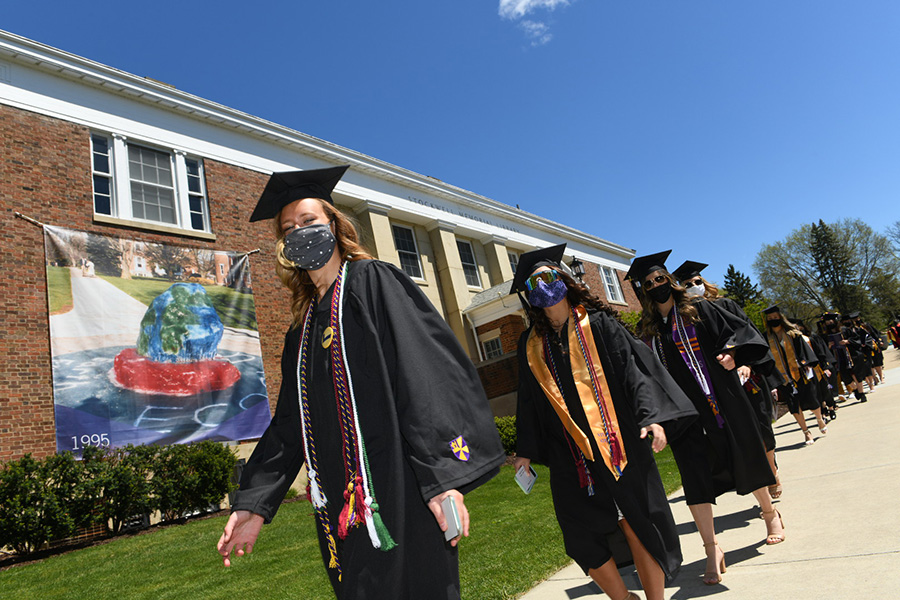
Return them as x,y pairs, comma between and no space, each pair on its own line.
695,282
657,280
547,277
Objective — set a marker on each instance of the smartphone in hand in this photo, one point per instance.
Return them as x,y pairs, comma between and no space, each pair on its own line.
448,505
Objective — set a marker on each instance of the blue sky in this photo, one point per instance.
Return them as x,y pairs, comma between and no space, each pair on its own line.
709,127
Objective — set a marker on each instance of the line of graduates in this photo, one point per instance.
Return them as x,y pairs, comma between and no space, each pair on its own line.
594,403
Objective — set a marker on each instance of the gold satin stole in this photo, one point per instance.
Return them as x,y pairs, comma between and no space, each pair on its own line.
590,403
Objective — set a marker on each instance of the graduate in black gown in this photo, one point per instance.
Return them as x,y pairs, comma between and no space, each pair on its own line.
823,370
834,336
796,361
377,398
760,377
590,395
700,344
860,347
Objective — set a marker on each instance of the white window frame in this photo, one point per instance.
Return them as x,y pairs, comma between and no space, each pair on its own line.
612,285
412,234
473,265
121,205
490,351
513,260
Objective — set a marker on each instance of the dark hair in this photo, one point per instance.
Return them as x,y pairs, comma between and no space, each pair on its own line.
578,294
649,323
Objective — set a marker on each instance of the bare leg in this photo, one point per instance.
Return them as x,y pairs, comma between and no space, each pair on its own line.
774,491
774,524
802,423
608,578
880,372
819,420
652,577
703,518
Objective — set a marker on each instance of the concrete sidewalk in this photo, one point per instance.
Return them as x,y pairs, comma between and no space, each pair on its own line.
841,509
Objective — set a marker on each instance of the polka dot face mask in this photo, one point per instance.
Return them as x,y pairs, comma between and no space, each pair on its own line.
309,248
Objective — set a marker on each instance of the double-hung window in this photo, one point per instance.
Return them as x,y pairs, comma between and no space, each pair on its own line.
611,283
513,261
492,348
405,242
144,184
470,267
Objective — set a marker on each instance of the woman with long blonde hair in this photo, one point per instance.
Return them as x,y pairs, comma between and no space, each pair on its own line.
700,345
379,401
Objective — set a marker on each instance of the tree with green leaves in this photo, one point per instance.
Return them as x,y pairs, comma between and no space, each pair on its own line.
821,267
106,255
739,288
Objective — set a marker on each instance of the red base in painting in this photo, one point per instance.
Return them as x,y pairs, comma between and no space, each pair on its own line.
139,374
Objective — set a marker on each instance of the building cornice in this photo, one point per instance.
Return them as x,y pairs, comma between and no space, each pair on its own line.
143,89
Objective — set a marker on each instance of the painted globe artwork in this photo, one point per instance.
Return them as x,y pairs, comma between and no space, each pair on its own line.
176,349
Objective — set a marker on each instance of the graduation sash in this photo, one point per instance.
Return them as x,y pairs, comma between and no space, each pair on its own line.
593,391
785,359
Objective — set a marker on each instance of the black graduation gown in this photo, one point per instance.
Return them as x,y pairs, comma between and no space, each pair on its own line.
826,386
416,391
765,377
802,394
714,460
862,356
642,394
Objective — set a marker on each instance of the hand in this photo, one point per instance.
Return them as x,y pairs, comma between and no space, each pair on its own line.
520,462
240,534
435,505
827,372
775,395
744,372
659,436
726,359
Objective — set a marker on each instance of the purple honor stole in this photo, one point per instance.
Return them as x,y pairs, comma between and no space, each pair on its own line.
696,364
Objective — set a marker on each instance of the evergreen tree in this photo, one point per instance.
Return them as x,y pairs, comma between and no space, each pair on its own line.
834,264
738,287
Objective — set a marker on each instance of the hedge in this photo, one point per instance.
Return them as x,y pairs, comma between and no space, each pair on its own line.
50,499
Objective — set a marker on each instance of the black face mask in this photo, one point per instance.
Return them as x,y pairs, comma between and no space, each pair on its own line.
661,293
775,323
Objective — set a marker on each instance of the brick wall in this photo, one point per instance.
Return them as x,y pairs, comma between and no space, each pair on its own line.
500,376
511,327
594,279
45,174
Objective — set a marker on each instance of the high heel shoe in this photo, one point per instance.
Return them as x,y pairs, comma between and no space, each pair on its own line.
773,538
809,438
714,577
823,429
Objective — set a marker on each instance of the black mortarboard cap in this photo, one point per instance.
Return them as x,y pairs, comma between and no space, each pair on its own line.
772,309
854,314
528,262
644,265
688,269
286,186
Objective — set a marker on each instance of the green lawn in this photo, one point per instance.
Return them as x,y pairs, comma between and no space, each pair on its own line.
234,308
515,543
59,289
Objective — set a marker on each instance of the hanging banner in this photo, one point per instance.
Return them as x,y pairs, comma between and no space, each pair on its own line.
151,343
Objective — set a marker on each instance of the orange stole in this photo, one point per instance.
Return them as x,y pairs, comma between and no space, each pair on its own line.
582,377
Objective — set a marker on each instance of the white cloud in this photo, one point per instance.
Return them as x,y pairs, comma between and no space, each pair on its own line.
516,9
538,32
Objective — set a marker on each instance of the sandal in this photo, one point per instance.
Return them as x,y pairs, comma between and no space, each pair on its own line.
824,429
714,577
809,438
773,538
775,491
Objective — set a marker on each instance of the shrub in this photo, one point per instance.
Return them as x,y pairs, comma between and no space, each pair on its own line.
42,501
190,478
506,427
123,481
